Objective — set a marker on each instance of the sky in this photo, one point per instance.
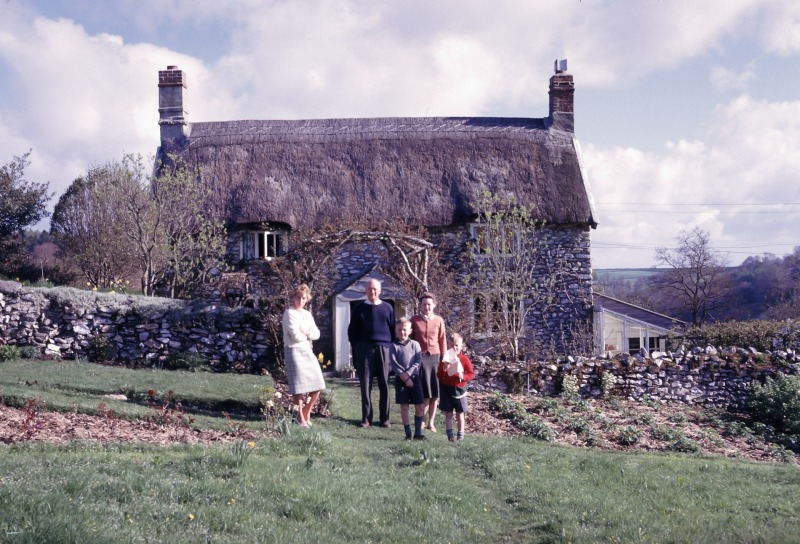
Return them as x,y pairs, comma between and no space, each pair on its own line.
687,111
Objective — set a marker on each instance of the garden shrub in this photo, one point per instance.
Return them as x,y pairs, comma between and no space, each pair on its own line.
185,360
629,436
29,352
100,349
8,353
777,402
684,445
763,335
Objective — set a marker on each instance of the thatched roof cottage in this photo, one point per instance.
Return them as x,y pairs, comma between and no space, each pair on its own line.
273,177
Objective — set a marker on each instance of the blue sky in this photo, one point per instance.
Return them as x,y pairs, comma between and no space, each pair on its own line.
688,112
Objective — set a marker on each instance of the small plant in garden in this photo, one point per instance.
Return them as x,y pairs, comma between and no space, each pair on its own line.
665,433
777,402
32,422
241,450
236,428
165,413
570,388
277,418
678,417
607,384
530,424
186,360
426,458
29,352
99,349
325,402
107,414
629,436
685,445
7,353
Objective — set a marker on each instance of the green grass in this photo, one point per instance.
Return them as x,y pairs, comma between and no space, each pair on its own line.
70,385
339,483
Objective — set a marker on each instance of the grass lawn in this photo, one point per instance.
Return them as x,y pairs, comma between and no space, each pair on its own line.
339,483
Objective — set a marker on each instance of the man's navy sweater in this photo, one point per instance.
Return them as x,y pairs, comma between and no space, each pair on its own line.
373,323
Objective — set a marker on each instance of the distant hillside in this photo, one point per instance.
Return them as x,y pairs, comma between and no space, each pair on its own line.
623,275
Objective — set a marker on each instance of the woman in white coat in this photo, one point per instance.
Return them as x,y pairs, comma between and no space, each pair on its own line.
303,372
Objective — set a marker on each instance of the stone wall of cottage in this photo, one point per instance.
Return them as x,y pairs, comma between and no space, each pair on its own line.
556,328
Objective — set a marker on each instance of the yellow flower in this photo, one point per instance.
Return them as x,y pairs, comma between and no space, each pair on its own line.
88,284
251,444
278,394
94,288
190,517
320,357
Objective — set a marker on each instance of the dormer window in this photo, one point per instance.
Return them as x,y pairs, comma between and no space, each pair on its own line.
262,245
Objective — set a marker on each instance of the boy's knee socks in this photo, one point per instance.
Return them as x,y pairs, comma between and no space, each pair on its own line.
407,429
418,425
449,434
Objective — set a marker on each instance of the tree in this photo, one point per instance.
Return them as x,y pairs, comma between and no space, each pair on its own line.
118,217
22,203
694,280
517,275
195,242
89,227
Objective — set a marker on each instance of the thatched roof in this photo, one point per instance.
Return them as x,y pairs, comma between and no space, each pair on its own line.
426,170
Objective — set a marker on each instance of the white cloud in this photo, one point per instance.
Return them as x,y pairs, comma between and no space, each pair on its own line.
748,157
724,79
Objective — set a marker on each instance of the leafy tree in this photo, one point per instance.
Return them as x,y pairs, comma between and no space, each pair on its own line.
88,226
119,218
22,203
195,242
694,280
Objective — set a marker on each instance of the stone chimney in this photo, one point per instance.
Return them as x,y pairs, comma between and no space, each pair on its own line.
562,99
172,116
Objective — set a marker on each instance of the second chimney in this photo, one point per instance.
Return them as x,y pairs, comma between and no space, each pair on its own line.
562,99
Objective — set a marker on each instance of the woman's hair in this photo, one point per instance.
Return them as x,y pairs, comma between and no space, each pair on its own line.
455,337
402,322
301,290
429,295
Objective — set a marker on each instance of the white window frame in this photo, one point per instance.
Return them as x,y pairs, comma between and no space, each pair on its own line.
261,240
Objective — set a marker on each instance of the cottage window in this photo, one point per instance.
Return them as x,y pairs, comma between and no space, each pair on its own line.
490,312
262,245
493,238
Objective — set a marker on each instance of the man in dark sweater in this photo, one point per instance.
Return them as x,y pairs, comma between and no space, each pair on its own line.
370,335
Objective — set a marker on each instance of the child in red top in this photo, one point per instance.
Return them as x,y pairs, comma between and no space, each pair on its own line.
453,377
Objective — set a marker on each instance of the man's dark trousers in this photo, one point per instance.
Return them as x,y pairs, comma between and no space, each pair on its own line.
372,361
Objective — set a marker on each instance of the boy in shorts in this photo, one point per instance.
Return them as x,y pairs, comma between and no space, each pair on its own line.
406,359
454,372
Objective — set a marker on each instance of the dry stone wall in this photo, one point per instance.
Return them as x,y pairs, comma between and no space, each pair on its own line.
69,323
698,376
